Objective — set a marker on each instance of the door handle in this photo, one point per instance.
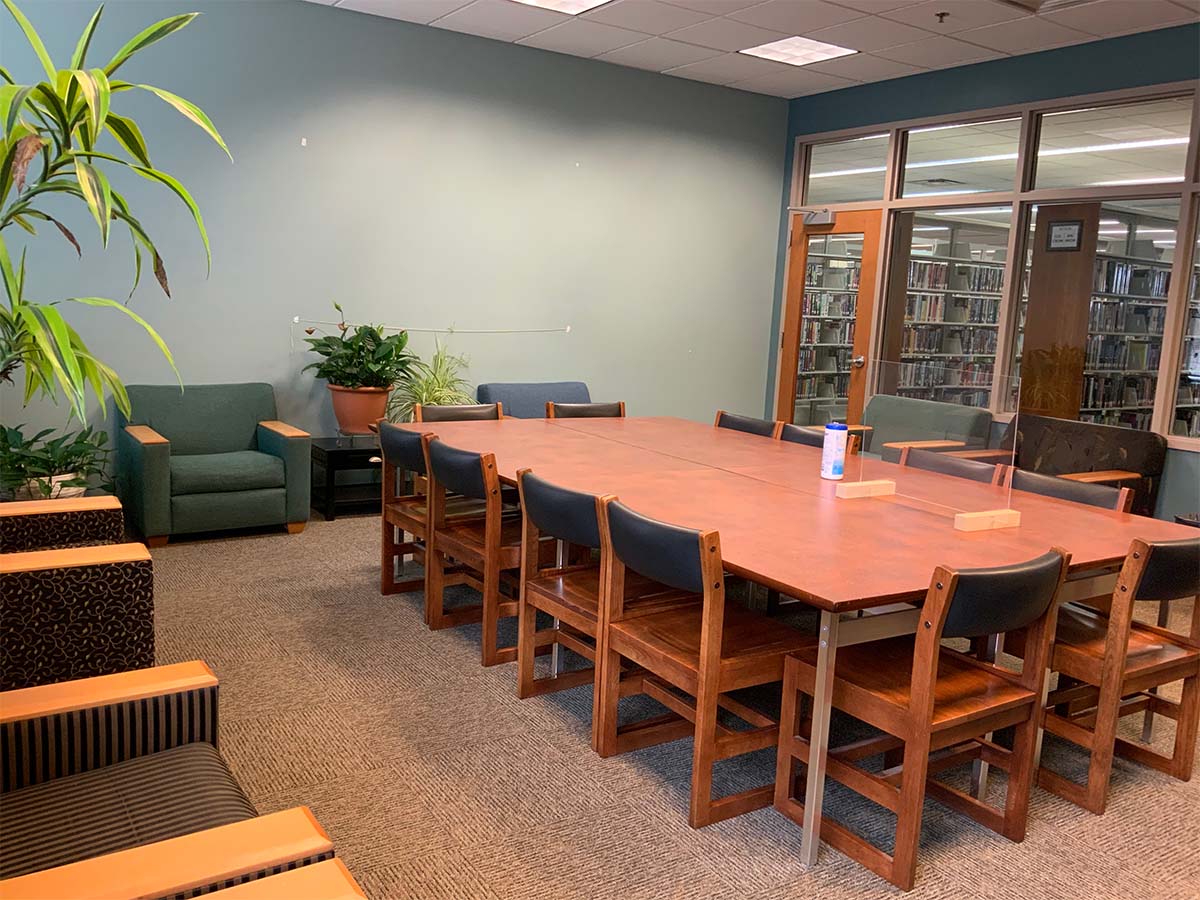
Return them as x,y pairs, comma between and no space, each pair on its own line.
858,362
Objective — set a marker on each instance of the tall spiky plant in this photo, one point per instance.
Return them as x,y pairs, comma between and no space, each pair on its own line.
438,382
58,122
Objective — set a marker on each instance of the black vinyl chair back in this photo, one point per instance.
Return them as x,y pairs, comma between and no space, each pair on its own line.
401,448
945,464
587,410
466,413
1099,495
1171,570
796,435
561,513
459,471
747,424
1002,599
665,553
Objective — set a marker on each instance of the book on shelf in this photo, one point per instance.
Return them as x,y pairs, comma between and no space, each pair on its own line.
817,303
1116,276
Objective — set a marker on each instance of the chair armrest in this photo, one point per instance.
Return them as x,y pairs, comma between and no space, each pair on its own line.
185,866
72,557
996,456
294,447
329,880
60,729
1103,476
925,445
144,478
62,522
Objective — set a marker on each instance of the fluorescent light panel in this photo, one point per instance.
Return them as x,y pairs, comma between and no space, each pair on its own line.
984,211
798,51
570,7
1124,181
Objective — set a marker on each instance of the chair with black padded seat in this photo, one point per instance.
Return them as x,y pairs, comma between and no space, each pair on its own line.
936,707
747,424
570,593
1100,495
614,410
1115,666
527,400
797,434
468,412
930,461
693,654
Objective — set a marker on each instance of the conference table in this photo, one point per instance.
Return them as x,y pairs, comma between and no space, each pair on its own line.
862,563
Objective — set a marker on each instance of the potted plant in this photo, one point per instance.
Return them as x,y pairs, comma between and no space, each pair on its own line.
361,365
437,382
42,468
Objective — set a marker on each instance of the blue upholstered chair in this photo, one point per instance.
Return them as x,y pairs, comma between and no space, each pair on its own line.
527,400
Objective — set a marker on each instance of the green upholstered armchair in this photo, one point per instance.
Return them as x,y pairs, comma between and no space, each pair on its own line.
209,458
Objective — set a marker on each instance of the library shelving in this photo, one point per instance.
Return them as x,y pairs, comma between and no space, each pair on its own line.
831,280
1187,393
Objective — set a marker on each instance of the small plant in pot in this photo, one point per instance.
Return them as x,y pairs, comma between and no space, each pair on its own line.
438,382
43,467
361,365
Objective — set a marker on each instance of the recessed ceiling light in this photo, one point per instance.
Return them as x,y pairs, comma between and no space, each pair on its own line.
1125,181
570,7
798,51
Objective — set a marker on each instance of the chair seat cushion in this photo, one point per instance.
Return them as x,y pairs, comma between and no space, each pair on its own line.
140,801
211,473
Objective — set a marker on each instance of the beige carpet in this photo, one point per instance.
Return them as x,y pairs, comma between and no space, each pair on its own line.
435,781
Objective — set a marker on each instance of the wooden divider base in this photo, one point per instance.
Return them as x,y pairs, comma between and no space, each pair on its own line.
987,519
850,490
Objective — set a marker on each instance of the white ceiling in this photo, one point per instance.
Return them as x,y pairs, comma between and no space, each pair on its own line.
700,39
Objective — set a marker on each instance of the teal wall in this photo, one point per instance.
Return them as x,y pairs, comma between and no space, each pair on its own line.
447,179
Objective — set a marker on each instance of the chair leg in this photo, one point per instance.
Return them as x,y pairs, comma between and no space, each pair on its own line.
1186,727
526,626
791,722
608,689
908,817
491,654
387,558
435,585
704,755
157,540
1022,767
1164,617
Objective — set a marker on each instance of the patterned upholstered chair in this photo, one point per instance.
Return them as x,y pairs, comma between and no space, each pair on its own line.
155,814
75,600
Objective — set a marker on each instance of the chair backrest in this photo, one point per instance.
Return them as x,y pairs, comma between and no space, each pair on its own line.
1002,599
202,418
665,553
527,400
950,465
585,410
465,413
458,471
911,419
1100,495
797,435
401,448
558,512
747,424
1169,570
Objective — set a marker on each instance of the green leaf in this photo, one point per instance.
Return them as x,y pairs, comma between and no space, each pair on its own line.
113,304
144,39
24,223
11,286
43,93
62,342
31,35
98,194
96,93
27,313
12,99
129,136
85,40
190,111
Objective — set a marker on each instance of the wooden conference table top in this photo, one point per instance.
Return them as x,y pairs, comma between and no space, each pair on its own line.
779,521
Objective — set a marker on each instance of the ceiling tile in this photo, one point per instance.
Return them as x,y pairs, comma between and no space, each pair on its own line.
868,33
714,7
422,11
658,54
1110,17
795,16
582,38
1024,35
728,68
938,52
500,19
726,34
876,6
796,83
864,67
962,14
648,16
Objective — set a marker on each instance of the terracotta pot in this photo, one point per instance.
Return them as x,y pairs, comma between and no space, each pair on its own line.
356,408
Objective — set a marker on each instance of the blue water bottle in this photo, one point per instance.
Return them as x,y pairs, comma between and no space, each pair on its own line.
833,452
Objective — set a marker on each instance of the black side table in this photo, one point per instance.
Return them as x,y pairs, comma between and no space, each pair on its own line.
344,454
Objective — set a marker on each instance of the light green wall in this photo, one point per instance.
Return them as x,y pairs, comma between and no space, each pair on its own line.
447,179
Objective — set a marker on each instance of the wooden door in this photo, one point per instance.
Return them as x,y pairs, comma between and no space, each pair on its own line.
827,318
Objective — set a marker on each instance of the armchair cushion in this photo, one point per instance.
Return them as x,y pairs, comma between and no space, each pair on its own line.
203,418
210,473
527,400
140,801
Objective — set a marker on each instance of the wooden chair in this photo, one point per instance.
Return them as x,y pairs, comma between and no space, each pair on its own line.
702,650
796,434
949,465
935,705
1115,666
747,424
1103,496
585,410
463,413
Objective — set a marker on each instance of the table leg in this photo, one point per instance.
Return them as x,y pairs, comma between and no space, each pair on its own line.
330,500
814,792
979,769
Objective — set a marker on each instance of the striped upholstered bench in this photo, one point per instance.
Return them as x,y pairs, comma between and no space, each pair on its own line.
115,784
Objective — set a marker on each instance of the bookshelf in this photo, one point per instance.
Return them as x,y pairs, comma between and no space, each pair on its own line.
832,271
1187,395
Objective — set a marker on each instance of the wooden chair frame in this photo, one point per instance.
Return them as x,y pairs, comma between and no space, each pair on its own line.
913,749
1123,503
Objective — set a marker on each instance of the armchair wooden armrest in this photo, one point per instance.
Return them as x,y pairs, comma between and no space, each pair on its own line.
997,455
329,880
178,867
1103,476
70,557
283,429
924,445
144,434
59,505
